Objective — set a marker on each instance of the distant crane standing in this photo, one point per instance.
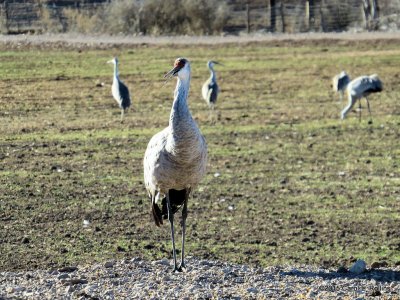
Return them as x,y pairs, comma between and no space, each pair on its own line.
119,90
361,87
210,88
339,83
175,159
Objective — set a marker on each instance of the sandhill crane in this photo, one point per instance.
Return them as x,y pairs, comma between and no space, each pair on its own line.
210,88
339,83
175,159
359,88
119,90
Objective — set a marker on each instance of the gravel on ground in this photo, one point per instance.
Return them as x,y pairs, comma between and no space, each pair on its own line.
204,279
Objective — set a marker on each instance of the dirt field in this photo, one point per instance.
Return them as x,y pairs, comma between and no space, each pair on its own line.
287,181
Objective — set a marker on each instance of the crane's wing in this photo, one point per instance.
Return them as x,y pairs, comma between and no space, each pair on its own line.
212,92
125,98
371,84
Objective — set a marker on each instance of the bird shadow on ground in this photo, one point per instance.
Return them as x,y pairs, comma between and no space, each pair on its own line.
375,274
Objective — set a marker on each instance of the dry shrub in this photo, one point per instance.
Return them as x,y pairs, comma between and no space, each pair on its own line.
159,17
122,16
156,17
50,23
86,21
340,15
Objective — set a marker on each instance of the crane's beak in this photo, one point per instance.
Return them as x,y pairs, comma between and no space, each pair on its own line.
172,73
217,63
110,61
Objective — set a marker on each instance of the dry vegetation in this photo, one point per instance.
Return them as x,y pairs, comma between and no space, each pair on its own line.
150,17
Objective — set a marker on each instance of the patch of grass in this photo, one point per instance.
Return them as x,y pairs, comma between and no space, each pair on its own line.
296,184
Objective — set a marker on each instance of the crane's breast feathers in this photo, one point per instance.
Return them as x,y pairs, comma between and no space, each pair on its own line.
164,168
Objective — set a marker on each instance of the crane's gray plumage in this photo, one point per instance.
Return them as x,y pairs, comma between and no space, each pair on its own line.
210,88
340,82
359,88
175,159
119,90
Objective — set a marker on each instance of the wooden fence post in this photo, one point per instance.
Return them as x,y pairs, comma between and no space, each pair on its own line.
248,17
282,10
272,15
4,18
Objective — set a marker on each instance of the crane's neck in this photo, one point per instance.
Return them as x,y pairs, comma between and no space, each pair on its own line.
116,73
180,120
213,77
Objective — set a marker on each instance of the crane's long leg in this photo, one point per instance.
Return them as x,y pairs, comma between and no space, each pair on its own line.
171,221
369,109
182,267
359,110
122,114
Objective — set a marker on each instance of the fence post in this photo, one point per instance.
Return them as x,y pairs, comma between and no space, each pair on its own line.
282,10
248,17
272,15
4,18
307,18
321,12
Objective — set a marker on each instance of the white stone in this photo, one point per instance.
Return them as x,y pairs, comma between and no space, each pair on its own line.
358,267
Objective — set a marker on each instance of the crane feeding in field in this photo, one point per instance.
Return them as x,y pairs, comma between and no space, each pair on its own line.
361,87
339,83
119,90
210,88
175,159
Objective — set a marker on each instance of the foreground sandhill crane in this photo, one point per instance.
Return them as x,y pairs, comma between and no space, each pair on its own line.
175,159
361,87
210,88
339,83
119,90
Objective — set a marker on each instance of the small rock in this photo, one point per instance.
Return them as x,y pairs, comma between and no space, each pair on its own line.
68,269
136,259
252,290
63,276
163,262
69,289
358,267
109,264
74,281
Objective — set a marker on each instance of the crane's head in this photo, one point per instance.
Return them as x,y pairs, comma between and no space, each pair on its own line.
212,63
113,61
181,69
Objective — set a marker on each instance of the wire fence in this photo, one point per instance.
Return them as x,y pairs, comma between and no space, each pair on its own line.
21,16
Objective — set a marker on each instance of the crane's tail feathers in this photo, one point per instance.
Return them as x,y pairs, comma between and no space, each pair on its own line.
176,198
157,215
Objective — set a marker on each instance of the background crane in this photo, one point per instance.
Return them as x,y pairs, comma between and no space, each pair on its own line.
175,159
210,88
359,88
119,90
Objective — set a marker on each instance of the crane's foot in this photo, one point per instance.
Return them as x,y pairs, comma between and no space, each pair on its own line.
176,270
370,122
182,268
